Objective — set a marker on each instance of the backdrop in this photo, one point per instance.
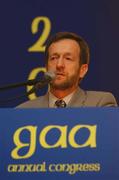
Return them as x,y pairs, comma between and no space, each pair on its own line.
26,26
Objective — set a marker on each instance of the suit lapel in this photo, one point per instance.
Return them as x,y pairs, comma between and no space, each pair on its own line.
43,101
78,99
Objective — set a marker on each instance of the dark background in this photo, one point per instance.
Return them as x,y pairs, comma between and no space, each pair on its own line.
95,20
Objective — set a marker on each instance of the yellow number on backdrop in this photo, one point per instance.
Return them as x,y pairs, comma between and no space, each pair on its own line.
39,44
33,75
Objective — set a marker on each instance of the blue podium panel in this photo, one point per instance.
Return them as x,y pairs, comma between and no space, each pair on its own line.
73,144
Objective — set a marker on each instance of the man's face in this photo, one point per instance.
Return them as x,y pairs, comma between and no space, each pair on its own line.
64,61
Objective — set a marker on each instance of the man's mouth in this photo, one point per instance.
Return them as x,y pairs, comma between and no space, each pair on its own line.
60,74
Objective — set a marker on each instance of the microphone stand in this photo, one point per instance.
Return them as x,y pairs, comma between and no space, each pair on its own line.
16,85
49,76
38,84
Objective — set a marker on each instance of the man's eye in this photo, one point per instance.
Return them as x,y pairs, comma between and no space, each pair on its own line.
53,58
68,58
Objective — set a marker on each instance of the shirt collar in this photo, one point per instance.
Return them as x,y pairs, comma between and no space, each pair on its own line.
53,99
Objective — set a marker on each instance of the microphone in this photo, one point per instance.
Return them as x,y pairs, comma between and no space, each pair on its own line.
48,77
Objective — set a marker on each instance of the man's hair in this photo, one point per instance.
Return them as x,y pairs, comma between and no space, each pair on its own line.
84,49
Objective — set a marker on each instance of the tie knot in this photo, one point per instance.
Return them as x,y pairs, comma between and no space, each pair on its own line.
60,103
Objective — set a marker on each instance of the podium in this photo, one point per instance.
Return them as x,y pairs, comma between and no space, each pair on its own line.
70,143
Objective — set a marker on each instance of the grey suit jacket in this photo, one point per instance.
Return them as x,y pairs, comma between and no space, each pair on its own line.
80,98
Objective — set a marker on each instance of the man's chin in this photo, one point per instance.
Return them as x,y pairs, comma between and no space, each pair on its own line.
60,85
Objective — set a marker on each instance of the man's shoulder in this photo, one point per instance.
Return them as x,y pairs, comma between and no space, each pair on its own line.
99,93
99,98
39,102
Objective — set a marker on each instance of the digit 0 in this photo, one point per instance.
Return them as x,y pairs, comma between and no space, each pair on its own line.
33,74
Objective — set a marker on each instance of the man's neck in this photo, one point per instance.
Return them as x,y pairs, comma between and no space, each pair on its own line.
62,93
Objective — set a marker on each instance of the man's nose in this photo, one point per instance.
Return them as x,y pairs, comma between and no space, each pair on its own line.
60,63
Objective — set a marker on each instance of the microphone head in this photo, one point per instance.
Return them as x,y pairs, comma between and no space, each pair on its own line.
50,74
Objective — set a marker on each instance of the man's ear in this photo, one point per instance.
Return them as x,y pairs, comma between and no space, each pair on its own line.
83,70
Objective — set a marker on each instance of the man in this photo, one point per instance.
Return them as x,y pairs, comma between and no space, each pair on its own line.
67,55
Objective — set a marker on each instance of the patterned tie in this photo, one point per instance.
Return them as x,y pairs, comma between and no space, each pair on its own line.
60,103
